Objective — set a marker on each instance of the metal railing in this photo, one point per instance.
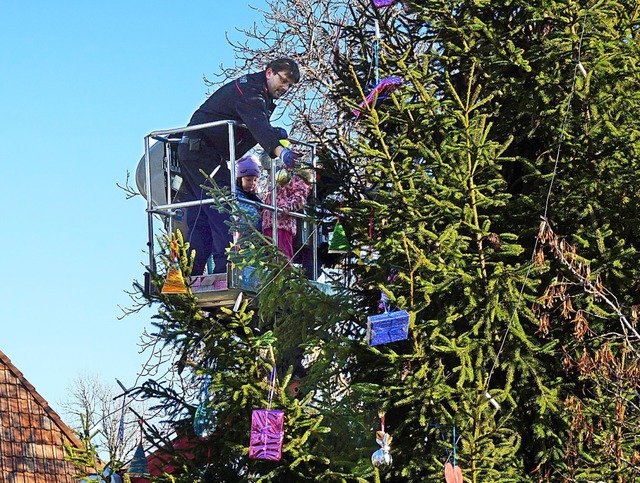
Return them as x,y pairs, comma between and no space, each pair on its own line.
170,210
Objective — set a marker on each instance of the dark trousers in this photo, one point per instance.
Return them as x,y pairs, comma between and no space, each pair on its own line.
208,230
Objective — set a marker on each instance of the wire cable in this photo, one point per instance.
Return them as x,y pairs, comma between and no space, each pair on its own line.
578,67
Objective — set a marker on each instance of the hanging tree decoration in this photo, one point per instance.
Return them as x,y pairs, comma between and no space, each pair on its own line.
139,466
390,326
338,243
384,3
267,428
383,88
174,281
379,93
283,175
452,472
124,394
382,458
205,418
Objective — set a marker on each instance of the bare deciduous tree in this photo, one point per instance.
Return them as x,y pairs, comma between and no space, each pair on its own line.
95,412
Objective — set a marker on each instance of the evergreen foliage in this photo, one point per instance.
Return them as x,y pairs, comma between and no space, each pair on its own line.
522,332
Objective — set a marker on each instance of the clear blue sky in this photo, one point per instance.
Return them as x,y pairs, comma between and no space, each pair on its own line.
82,83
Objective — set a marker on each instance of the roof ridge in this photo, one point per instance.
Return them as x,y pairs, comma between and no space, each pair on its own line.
68,432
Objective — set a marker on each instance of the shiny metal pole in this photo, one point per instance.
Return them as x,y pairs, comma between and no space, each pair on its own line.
232,159
274,214
314,224
167,174
147,174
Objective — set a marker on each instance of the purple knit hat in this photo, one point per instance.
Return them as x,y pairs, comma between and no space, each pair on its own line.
248,166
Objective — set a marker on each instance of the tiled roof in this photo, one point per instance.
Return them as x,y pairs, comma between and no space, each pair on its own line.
31,433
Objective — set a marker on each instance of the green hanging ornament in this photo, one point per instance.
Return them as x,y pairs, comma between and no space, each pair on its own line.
339,242
283,176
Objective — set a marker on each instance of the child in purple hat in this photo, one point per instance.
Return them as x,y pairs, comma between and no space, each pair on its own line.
247,174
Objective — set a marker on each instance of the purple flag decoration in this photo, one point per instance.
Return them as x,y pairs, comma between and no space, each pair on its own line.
383,3
267,434
382,90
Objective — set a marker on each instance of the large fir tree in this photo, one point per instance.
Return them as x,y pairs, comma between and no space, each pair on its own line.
492,196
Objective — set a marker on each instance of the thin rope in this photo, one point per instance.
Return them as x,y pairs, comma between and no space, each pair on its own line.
376,50
272,387
547,201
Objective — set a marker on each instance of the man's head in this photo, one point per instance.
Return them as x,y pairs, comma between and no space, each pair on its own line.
281,74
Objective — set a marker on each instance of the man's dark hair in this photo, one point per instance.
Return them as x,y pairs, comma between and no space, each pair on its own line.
286,65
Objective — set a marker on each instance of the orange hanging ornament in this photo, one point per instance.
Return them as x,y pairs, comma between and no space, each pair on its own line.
452,474
174,281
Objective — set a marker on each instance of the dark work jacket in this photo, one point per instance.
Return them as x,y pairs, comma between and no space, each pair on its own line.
245,100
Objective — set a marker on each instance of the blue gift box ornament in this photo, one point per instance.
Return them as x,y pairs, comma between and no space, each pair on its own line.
387,327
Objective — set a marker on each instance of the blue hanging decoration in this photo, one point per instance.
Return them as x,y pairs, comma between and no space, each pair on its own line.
139,466
125,391
121,425
205,419
389,326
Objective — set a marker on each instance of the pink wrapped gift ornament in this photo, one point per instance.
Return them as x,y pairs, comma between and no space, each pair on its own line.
382,90
267,434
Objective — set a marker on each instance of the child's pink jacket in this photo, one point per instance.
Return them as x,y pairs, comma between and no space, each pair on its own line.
290,197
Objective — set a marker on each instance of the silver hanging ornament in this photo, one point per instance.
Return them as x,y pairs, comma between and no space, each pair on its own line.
382,458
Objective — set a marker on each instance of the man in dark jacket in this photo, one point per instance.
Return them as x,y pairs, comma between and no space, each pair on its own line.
247,100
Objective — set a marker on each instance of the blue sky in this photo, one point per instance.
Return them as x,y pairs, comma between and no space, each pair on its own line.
82,83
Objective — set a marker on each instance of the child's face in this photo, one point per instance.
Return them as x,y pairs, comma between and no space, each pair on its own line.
249,183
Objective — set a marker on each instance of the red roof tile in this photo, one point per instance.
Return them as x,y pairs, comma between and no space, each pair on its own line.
31,433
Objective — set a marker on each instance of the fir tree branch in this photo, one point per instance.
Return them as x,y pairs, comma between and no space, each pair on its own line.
567,255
